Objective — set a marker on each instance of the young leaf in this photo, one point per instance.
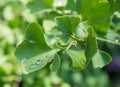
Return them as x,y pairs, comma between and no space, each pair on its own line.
56,63
91,45
38,5
78,58
101,59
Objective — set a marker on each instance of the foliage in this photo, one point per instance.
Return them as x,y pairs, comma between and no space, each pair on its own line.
74,33
59,36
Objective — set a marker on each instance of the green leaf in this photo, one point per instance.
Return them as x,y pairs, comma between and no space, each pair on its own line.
34,34
33,44
68,23
51,40
65,28
80,31
111,37
78,58
97,12
71,5
38,61
48,25
101,59
116,21
91,47
56,63
34,48
115,5
39,5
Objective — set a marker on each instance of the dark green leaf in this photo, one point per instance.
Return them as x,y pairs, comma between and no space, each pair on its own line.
97,12
115,5
91,45
68,24
33,44
71,5
34,34
34,49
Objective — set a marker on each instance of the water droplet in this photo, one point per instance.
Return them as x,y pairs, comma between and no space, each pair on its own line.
33,66
38,62
23,60
117,40
25,72
58,4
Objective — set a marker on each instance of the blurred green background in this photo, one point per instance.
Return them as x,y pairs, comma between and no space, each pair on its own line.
14,18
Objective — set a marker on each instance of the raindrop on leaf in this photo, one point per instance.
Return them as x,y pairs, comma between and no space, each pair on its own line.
38,62
33,66
117,39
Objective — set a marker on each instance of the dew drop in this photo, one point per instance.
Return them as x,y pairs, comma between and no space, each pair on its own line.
38,62
25,72
33,66
58,4
117,40
23,60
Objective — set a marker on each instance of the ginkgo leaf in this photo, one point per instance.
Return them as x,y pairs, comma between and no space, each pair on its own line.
101,59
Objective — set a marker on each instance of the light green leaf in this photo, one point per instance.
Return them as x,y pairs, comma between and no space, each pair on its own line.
80,31
78,58
48,25
101,59
39,61
56,63
50,40
39,5
91,47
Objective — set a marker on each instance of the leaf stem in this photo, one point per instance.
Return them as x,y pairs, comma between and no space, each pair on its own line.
76,38
109,41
